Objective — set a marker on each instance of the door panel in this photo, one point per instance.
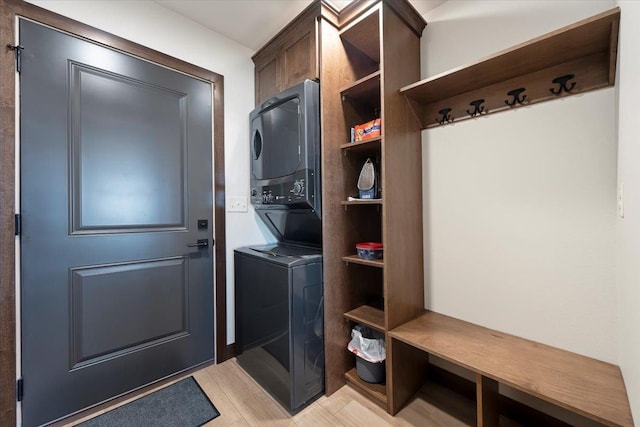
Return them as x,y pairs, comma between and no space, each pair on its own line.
126,154
115,173
109,311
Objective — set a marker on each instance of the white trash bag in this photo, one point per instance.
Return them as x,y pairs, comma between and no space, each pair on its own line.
369,349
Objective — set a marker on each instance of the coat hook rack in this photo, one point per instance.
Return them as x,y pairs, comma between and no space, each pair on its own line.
562,84
446,116
478,107
517,97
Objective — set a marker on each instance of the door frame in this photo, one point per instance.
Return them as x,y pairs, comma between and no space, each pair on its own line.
9,10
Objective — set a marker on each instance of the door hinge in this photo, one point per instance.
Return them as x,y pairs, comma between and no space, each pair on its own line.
18,224
19,390
17,49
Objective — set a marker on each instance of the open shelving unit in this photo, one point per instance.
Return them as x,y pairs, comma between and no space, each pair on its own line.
572,60
357,88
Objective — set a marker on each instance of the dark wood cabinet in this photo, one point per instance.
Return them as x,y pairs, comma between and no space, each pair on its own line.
266,75
290,57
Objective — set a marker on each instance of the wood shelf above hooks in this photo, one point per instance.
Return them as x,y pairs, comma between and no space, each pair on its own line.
572,60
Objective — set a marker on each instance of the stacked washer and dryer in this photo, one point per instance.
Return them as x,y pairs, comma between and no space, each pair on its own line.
278,287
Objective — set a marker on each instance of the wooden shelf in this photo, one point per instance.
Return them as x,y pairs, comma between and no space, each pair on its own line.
364,34
362,98
370,262
367,88
372,317
367,145
376,391
586,49
586,386
362,202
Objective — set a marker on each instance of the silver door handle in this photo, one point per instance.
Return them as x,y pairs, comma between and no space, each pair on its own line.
201,243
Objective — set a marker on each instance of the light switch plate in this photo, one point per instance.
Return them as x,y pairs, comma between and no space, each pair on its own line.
237,204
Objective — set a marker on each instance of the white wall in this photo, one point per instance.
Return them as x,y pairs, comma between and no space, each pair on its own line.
154,26
628,229
519,207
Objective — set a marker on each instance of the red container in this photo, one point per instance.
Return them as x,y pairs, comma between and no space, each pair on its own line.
369,250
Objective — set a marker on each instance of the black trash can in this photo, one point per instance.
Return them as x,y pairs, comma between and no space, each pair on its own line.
369,371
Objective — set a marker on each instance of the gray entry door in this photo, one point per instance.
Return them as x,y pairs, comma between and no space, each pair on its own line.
115,176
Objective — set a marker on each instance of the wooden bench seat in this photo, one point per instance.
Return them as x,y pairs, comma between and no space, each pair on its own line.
583,385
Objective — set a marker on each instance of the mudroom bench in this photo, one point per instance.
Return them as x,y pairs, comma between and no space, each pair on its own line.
589,387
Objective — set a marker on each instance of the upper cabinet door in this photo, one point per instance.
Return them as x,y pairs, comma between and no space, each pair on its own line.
267,77
299,53
289,58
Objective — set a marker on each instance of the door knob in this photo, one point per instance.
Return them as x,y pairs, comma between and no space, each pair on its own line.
201,243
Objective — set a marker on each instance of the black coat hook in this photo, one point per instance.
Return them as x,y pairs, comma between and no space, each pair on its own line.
478,107
516,98
562,84
446,116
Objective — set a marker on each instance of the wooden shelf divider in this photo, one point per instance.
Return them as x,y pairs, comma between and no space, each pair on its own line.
362,202
370,262
376,391
585,50
369,316
368,144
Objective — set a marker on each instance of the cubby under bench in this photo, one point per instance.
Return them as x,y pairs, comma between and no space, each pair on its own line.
586,386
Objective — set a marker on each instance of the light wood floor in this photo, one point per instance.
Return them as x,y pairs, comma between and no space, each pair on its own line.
242,402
